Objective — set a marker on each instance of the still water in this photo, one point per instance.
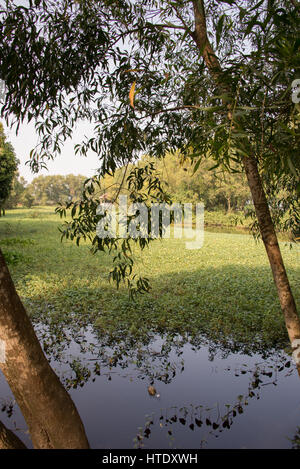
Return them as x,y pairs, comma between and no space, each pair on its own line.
203,399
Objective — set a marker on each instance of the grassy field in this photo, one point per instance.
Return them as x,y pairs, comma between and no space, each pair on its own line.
223,292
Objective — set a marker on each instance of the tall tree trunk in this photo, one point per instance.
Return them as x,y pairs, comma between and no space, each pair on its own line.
49,411
269,238
265,222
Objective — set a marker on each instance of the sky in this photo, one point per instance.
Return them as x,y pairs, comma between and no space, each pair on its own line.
65,163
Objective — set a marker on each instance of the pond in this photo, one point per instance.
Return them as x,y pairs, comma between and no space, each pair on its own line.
201,396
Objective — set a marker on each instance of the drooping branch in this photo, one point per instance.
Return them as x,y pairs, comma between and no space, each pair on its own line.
296,4
174,109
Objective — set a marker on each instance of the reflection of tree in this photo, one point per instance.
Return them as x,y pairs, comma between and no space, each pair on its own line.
296,439
155,357
211,419
88,352
8,440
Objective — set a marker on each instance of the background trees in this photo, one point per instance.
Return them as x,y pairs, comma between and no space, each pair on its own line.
17,191
52,190
44,190
8,168
216,188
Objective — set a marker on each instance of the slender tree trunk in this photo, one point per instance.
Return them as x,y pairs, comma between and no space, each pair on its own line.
265,222
50,413
269,238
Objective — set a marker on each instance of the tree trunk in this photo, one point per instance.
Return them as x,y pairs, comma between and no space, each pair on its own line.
269,238
51,415
265,222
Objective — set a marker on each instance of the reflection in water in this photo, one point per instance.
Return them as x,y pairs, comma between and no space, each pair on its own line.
206,397
8,440
211,417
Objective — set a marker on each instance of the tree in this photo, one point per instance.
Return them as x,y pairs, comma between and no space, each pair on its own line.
55,189
75,185
215,187
16,194
200,77
8,168
8,440
27,198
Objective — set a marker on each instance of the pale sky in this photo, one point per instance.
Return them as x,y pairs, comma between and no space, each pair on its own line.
65,163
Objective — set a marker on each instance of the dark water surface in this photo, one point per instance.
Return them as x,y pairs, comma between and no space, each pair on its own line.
202,399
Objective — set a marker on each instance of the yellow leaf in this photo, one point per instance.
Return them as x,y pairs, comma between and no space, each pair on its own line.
131,94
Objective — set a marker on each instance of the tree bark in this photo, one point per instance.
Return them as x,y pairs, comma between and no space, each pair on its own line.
51,415
269,237
270,240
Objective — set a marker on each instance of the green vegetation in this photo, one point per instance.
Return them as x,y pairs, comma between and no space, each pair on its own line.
45,190
223,292
214,187
8,168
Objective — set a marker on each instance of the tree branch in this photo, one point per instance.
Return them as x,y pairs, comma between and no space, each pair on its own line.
170,26
185,26
176,108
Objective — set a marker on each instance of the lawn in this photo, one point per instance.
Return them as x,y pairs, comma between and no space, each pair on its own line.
223,292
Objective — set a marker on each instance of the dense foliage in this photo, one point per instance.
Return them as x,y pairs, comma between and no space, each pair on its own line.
8,168
217,189
51,190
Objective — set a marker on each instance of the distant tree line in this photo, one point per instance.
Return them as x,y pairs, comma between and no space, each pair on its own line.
217,189
45,190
